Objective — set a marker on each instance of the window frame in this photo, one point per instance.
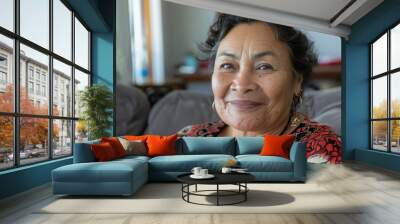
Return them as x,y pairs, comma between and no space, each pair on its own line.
16,114
388,74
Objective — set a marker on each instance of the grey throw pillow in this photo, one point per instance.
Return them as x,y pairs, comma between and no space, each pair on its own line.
136,147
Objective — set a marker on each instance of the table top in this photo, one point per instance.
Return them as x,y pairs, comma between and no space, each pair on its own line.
220,178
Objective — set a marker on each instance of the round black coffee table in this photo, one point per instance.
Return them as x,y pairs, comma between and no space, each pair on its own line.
238,179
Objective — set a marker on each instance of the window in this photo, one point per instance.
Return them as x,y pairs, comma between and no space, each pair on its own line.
3,78
30,87
37,74
62,140
62,74
30,72
385,91
3,61
34,25
44,91
7,14
6,89
54,126
38,89
62,29
3,72
81,45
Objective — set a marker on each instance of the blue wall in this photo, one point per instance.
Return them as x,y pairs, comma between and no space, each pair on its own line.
24,178
99,16
356,85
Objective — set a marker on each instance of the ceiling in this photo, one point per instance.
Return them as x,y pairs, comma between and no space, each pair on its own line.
321,9
325,16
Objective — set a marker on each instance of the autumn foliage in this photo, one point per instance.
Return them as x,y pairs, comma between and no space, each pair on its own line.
33,131
380,127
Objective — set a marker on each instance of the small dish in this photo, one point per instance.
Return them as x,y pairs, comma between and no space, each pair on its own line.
208,176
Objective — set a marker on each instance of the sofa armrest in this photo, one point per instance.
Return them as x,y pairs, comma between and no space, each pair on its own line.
83,152
298,157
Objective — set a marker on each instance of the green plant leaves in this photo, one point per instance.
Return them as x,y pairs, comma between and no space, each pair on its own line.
97,104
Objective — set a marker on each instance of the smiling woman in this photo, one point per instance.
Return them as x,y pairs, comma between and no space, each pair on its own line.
257,81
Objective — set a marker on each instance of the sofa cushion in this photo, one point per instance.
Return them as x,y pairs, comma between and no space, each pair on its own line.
277,145
161,145
103,152
112,171
249,145
206,145
133,158
116,145
257,163
185,163
135,147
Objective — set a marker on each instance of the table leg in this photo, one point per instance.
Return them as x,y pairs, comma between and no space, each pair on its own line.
182,188
245,193
217,194
188,189
196,188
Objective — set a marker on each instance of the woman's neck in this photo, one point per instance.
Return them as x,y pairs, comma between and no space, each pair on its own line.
231,131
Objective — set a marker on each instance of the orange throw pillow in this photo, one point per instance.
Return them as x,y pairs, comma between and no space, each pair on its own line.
103,151
277,145
116,145
161,145
135,137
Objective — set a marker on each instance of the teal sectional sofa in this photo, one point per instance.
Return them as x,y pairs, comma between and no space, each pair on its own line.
125,176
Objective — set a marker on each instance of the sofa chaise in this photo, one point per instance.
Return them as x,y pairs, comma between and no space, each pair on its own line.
126,175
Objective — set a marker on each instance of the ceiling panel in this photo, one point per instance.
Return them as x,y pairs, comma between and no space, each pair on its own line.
319,9
313,15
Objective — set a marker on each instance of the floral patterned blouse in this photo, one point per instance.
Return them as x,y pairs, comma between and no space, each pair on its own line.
322,144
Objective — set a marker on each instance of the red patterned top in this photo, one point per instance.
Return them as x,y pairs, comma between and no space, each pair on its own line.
322,144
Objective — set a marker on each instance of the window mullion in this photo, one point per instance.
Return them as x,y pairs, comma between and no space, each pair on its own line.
389,106
371,92
16,84
50,81
73,83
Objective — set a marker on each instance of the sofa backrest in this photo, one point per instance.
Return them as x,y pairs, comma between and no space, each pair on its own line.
249,145
83,152
206,145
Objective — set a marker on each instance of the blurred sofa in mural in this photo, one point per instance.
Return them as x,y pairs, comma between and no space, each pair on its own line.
182,107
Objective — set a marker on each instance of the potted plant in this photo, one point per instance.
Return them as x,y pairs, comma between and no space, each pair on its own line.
96,102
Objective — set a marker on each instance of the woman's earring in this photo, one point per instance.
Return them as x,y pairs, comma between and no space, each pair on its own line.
213,105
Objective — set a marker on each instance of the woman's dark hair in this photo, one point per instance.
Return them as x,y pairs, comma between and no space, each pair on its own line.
300,48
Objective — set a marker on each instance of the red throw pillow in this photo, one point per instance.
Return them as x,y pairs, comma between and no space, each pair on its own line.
161,145
277,145
103,151
116,145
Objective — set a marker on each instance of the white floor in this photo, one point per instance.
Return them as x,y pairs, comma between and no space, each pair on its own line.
378,189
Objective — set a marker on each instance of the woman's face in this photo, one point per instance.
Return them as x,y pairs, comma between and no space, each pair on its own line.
253,81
